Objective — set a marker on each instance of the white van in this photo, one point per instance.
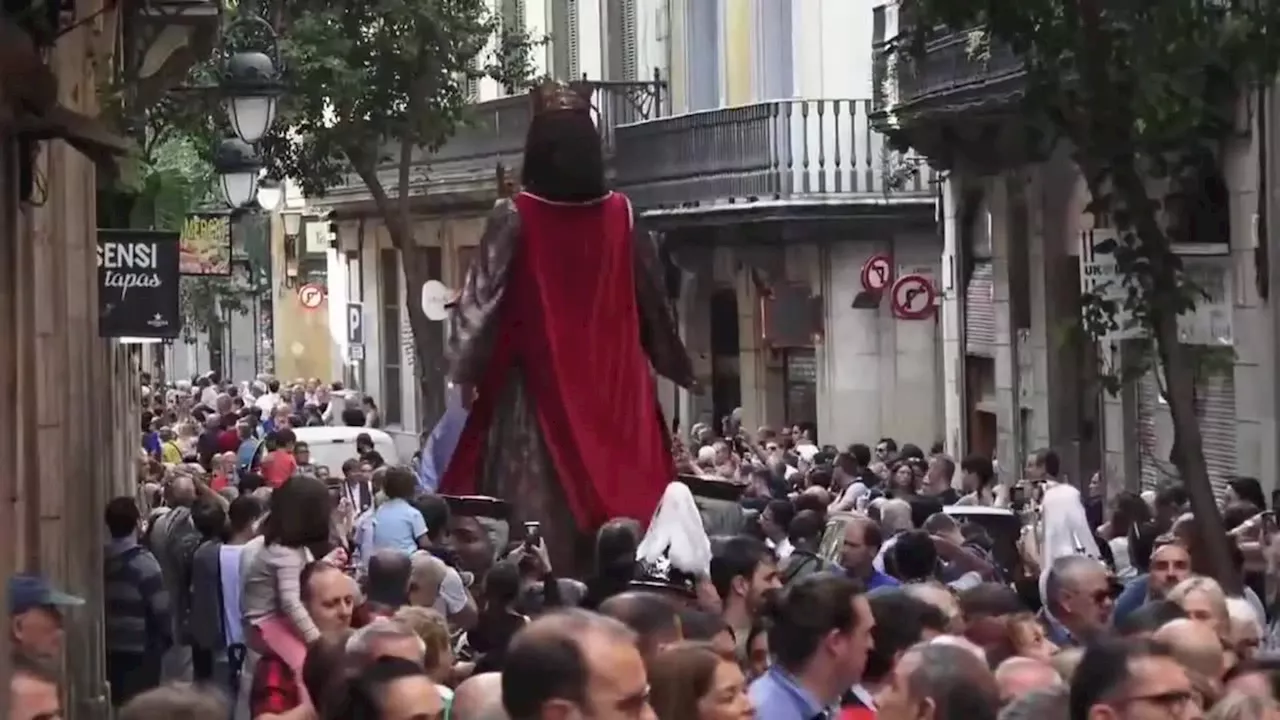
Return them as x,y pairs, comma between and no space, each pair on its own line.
332,446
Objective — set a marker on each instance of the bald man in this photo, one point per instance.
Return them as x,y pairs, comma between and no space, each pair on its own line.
1196,645
479,698
653,618
941,598
575,663
1018,676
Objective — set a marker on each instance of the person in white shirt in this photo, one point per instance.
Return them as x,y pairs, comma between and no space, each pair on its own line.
208,390
268,401
774,522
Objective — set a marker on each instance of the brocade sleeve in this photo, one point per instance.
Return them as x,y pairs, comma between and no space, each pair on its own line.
473,319
658,332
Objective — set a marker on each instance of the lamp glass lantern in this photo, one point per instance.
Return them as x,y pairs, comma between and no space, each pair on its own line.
292,222
270,194
251,86
238,166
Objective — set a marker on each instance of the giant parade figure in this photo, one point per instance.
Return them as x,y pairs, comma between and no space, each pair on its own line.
563,311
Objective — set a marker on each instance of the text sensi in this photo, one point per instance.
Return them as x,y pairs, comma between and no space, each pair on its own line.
129,265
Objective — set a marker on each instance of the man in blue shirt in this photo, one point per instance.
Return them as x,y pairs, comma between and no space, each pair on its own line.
862,540
819,639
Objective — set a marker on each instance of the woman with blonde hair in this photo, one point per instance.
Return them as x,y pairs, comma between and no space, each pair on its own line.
691,681
1238,706
431,627
1202,599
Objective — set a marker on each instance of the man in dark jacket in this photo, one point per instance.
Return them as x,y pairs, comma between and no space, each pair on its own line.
203,601
139,624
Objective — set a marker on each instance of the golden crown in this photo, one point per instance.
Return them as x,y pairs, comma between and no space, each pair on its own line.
554,95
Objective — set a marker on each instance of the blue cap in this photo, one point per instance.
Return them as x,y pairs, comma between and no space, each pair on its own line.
27,592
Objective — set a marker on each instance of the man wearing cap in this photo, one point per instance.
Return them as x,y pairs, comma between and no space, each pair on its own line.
35,616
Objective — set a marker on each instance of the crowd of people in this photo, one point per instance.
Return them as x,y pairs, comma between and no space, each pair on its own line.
778,579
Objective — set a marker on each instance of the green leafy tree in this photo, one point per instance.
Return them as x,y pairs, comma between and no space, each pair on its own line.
1145,95
167,180
373,84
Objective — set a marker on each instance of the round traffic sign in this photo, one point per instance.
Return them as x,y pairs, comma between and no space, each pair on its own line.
877,273
436,297
311,296
913,297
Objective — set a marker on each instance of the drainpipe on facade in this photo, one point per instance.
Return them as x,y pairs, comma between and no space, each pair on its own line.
951,210
1012,190
1269,208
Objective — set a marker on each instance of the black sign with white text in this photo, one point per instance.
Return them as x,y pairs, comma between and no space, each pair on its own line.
138,277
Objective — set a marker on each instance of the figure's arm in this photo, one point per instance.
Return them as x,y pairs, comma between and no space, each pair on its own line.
474,316
658,332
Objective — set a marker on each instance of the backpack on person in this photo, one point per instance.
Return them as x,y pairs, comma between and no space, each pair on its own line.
803,563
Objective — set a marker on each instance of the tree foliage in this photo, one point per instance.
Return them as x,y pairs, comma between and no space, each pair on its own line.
171,179
371,83
375,84
1145,95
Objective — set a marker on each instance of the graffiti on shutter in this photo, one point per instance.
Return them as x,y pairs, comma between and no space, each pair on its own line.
980,316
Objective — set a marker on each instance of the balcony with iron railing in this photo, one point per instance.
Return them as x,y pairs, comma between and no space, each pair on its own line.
492,137
952,72
780,151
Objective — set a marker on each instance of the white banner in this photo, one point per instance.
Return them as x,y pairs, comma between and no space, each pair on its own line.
1100,276
1210,323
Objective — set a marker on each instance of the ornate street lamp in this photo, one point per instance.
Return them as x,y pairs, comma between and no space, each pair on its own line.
251,83
238,165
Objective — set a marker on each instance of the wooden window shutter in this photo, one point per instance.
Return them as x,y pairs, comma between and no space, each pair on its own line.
630,41
573,41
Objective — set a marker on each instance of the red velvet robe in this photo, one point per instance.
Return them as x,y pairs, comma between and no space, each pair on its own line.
561,315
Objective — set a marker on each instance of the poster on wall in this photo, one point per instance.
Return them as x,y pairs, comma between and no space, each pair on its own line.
205,245
138,279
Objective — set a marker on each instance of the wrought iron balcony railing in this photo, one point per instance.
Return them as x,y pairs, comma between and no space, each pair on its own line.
493,135
778,150
958,69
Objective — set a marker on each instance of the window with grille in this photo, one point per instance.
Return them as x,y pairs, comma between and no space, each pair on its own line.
389,293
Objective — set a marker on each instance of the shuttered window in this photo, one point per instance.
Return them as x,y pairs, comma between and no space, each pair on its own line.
622,43
630,69
1215,409
980,314
565,63
703,66
1152,413
514,22
573,40
392,401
